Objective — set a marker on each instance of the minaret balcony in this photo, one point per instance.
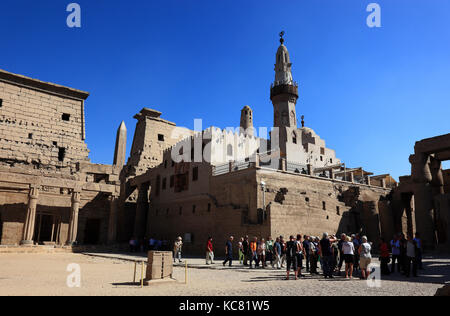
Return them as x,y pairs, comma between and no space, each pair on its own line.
276,90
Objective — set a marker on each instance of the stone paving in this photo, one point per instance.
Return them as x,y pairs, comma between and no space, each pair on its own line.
112,274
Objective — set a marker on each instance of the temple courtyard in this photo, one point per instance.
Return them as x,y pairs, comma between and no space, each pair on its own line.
112,274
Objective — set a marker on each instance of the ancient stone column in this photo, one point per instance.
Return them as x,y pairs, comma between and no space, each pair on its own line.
423,198
352,177
30,221
73,226
437,177
368,180
140,221
112,227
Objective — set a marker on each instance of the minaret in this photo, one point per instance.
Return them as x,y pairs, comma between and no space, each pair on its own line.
247,121
121,146
284,91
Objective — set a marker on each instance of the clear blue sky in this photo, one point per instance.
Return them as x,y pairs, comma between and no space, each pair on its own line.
370,93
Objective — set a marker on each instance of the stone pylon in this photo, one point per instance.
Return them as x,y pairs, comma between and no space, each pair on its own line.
121,146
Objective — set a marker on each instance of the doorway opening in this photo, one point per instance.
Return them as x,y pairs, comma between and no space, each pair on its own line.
48,227
92,232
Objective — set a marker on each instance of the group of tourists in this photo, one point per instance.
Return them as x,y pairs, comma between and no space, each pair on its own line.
146,244
349,253
407,255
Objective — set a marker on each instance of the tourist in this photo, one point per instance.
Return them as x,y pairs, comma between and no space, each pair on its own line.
384,257
313,254
300,255
254,252
262,253
144,246
241,250
177,247
209,251
306,246
419,251
292,249
229,251
365,258
151,243
349,254
326,255
277,253
356,243
412,252
133,244
403,254
395,246
335,248
283,251
269,250
341,253
246,249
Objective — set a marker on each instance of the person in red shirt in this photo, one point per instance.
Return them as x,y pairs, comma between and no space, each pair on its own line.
209,251
384,257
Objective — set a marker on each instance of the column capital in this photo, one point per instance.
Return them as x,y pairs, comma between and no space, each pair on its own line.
34,192
76,197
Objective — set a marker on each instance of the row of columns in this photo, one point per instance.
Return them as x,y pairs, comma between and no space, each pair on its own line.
30,221
426,172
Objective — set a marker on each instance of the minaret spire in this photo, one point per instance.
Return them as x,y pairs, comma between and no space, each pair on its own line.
284,91
283,73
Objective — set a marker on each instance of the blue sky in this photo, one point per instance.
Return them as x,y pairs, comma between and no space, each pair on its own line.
369,92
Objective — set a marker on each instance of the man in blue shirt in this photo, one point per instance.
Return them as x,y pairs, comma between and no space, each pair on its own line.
419,251
395,246
277,253
229,251
306,248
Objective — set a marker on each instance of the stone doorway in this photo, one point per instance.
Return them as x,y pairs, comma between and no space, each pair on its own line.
48,227
92,232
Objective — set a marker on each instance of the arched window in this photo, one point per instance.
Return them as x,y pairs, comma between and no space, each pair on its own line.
230,150
294,138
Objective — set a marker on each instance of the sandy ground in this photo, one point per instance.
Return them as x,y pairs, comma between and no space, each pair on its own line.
46,275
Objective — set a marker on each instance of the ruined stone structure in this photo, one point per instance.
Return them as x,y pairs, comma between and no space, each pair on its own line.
422,200
49,191
195,184
219,183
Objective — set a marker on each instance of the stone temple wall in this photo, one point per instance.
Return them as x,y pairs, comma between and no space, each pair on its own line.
38,127
312,205
233,205
49,191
